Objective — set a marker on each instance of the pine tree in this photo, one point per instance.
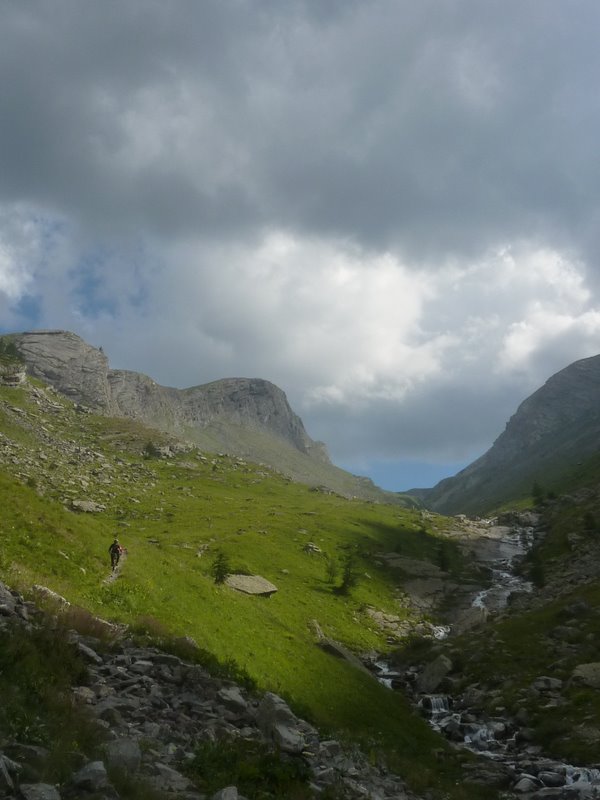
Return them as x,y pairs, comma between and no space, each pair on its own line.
220,568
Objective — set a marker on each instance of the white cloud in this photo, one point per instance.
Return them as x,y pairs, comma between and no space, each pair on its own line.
20,250
359,340
390,209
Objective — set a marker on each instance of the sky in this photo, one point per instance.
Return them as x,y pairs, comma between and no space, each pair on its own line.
388,208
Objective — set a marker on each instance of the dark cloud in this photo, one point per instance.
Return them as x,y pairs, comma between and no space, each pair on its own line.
427,127
389,208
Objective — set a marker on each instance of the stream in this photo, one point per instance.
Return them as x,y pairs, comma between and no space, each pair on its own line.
503,742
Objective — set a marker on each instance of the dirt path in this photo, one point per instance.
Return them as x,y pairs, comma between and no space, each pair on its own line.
114,574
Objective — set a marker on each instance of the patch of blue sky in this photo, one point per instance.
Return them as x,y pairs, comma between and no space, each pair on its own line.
97,291
29,310
89,292
399,476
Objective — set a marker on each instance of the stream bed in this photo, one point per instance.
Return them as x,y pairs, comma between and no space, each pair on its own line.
505,743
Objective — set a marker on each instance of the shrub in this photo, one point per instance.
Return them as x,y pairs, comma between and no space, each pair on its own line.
37,670
257,771
220,568
151,450
349,574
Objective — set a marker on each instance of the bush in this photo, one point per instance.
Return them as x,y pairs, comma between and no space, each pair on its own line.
220,568
37,670
257,771
349,574
151,450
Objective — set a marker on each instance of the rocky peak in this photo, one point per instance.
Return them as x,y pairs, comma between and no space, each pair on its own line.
225,411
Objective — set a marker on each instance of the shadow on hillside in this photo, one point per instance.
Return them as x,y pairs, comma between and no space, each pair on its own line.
411,542
420,544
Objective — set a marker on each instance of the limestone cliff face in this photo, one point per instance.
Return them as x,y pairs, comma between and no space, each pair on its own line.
66,362
555,427
224,409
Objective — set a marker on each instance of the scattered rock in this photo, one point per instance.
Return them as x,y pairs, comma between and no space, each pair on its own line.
87,506
143,696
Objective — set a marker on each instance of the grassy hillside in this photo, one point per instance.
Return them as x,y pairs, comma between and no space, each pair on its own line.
175,515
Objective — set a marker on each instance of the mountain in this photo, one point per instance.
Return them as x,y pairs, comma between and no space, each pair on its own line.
248,417
551,431
160,668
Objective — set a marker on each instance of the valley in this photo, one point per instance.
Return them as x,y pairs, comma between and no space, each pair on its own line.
352,582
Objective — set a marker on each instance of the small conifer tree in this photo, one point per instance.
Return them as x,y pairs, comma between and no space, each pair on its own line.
349,574
220,568
151,450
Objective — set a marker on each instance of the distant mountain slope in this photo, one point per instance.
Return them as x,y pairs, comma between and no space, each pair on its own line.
552,430
249,417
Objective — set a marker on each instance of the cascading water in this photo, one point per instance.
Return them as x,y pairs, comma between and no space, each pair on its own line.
435,704
494,738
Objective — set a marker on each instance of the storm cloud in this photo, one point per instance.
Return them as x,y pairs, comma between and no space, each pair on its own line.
390,209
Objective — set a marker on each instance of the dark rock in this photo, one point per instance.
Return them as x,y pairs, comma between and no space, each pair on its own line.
39,791
527,783
228,793
123,755
433,674
91,778
552,779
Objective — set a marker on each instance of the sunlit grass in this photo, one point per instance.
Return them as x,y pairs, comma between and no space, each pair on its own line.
173,516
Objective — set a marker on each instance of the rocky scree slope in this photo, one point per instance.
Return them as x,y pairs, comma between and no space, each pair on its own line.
553,429
249,417
153,710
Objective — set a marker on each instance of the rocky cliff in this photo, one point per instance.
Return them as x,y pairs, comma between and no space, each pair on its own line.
82,373
249,417
552,430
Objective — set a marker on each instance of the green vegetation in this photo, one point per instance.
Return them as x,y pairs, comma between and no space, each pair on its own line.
220,568
36,672
178,517
257,772
505,658
8,350
558,629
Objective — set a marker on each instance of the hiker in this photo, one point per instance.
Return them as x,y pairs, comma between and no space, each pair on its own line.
115,551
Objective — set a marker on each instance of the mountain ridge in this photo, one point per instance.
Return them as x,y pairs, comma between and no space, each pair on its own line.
550,432
248,417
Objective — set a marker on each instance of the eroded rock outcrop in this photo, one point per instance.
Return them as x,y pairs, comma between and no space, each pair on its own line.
82,373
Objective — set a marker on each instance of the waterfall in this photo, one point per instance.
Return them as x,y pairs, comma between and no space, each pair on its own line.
435,704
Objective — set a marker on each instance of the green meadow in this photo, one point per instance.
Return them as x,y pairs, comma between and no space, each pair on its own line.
175,516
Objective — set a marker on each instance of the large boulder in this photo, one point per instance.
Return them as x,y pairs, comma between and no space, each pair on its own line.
123,755
433,674
278,723
587,674
251,584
